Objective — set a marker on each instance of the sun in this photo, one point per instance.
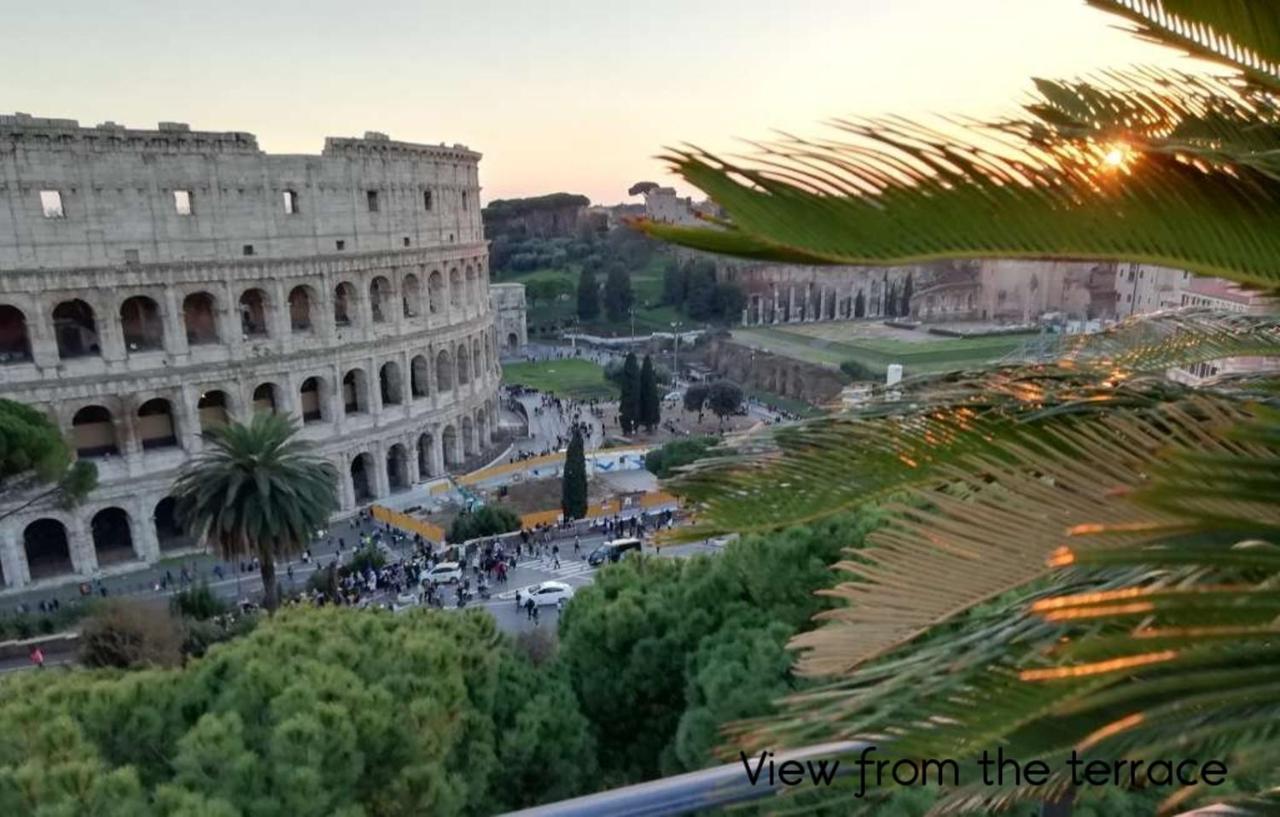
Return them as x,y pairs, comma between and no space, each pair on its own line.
1114,157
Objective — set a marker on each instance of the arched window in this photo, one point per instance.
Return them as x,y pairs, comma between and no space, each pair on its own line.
94,432
311,398
355,392
253,314
200,317
435,292
112,536
419,376
47,549
155,424
213,409
15,345
477,359
449,439
76,330
169,533
472,298
140,321
463,367
389,381
398,468
264,398
444,371
362,478
300,309
380,299
344,304
411,294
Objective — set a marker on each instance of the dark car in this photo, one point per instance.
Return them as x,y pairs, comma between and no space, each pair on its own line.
612,551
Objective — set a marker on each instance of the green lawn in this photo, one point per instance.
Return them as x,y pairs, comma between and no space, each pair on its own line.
877,353
572,378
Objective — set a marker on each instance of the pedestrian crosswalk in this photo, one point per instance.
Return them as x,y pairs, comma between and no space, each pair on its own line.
568,567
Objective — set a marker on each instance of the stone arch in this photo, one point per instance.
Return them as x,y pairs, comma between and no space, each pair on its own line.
301,298
380,299
419,376
253,313
200,317
468,435
155,425
455,288
355,391
477,359
94,432
435,292
266,397
411,295
76,330
313,399
47,549
345,303
15,341
214,409
361,471
513,341
112,535
391,384
449,439
398,468
444,371
463,366
169,533
141,324
482,426
425,441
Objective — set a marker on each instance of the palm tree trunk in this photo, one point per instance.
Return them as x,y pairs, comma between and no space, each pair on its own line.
268,568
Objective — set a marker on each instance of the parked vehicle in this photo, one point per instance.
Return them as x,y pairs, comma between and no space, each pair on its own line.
612,551
544,594
443,573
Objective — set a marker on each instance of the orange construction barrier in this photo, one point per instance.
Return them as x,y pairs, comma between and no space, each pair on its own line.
405,522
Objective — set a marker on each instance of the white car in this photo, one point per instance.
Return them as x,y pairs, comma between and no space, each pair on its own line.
544,594
443,573
404,601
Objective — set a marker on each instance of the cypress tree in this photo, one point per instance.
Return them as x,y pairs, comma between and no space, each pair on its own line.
650,404
629,404
588,295
573,485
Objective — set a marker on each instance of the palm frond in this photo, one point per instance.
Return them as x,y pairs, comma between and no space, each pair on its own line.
1242,34
838,463
894,192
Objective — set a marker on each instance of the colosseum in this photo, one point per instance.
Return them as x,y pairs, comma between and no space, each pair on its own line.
156,283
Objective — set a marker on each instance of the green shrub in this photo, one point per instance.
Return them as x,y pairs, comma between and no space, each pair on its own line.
662,462
198,603
488,520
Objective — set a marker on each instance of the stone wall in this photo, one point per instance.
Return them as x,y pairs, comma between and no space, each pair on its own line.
780,375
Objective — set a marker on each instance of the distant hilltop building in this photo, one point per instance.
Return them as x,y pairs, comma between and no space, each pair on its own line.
156,283
661,204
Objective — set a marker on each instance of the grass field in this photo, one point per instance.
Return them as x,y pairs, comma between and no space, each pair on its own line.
573,378
917,356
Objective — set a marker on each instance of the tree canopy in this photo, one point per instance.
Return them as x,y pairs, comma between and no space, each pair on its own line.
318,712
33,453
573,484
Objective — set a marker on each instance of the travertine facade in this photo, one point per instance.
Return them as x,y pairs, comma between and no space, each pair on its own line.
154,283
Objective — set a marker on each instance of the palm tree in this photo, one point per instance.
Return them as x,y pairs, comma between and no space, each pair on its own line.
256,491
1079,555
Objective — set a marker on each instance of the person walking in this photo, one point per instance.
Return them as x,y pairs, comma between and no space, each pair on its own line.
37,657
530,609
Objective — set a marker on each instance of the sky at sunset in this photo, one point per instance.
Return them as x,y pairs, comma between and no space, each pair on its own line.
574,95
